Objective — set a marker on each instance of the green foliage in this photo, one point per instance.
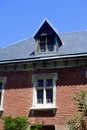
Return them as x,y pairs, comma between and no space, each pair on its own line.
75,123
36,127
17,123
71,123
81,100
78,122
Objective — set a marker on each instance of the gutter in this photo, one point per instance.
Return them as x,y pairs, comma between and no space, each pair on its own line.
33,59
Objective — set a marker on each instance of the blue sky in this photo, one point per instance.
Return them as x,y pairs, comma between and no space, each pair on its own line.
19,19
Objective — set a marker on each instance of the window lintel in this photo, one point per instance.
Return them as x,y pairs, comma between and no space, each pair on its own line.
44,76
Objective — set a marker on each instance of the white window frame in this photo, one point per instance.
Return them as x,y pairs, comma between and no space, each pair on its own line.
3,81
45,105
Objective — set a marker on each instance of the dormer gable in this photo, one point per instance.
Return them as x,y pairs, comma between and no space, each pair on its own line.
47,39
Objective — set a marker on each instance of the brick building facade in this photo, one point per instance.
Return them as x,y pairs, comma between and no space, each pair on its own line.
39,76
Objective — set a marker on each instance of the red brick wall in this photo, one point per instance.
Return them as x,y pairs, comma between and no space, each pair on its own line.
18,94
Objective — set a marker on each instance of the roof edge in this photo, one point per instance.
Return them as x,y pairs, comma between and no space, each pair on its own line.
43,58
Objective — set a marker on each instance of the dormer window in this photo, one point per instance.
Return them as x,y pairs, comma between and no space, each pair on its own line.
46,43
47,40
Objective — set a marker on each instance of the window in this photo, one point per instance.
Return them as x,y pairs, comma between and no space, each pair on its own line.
2,85
49,82
46,43
49,96
39,96
39,83
43,47
44,90
50,46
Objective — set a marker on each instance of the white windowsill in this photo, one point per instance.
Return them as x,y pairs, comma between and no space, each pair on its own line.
43,108
53,108
1,109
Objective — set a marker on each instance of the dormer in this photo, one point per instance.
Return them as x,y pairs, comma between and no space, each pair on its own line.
47,39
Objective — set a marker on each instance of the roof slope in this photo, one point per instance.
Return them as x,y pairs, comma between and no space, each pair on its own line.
20,50
74,44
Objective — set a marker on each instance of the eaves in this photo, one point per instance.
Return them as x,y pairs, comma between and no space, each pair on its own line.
44,58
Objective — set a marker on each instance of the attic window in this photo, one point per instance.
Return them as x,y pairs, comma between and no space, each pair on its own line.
46,43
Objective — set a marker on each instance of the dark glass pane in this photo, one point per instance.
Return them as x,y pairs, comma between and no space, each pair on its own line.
49,95
0,86
42,47
50,46
39,83
49,82
40,96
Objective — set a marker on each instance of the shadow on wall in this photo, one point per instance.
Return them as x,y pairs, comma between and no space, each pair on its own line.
41,113
66,77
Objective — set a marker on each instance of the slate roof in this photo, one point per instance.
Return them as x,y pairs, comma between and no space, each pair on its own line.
74,44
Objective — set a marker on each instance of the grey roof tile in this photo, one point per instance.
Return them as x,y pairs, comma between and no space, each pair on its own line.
74,43
19,50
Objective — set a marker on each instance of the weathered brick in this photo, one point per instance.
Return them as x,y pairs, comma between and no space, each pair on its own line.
18,94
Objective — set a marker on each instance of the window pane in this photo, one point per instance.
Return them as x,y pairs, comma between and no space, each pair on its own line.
50,46
40,83
0,86
40,96
49,82
49,95
42,47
